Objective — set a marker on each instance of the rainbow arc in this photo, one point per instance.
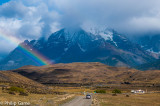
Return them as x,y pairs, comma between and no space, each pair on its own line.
31,53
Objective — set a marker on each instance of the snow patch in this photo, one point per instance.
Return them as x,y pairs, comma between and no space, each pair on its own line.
151,50
69,35
96,38
107,34
65,49
35,43
122,37
10,63
115,43
83,50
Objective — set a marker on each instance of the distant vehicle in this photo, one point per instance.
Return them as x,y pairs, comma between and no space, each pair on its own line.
138,91
88,96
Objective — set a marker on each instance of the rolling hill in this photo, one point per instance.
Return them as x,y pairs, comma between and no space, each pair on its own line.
8,78
88,73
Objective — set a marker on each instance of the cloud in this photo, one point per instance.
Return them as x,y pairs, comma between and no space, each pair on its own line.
34,20
6,46
39,17
26,19
144,25
13,9
31,19
122,15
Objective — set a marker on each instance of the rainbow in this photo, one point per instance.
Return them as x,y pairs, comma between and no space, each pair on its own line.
32,54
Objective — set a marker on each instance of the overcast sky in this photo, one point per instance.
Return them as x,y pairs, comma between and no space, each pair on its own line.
31,19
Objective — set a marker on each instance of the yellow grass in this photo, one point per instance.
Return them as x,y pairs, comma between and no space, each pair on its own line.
132,100
102,99
45,99
35,99
73,90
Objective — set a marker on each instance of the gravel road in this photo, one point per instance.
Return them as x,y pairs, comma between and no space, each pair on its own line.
79,101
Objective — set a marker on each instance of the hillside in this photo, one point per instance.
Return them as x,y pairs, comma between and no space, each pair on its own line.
14,79
88,73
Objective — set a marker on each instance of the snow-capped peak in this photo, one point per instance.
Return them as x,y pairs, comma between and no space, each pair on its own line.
71,34
105,33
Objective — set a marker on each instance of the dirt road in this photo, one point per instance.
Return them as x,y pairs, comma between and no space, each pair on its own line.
79,101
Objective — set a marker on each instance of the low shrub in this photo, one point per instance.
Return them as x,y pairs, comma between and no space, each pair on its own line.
19,90
11,92
114,94
16,89
116,91
127,95
100,91
23,94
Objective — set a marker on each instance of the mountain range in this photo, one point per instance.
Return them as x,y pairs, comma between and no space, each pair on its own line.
78,45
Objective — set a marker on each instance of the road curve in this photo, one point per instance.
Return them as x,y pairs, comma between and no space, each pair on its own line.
79,101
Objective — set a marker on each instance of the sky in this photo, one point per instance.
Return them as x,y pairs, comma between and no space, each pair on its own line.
32,19
3,1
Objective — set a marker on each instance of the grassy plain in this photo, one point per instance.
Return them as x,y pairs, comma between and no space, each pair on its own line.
68,93
35,99
152,99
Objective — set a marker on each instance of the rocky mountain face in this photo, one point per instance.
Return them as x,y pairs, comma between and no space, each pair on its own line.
78,45
150,43
154,65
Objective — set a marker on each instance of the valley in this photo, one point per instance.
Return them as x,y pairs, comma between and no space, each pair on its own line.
64,84
79,53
